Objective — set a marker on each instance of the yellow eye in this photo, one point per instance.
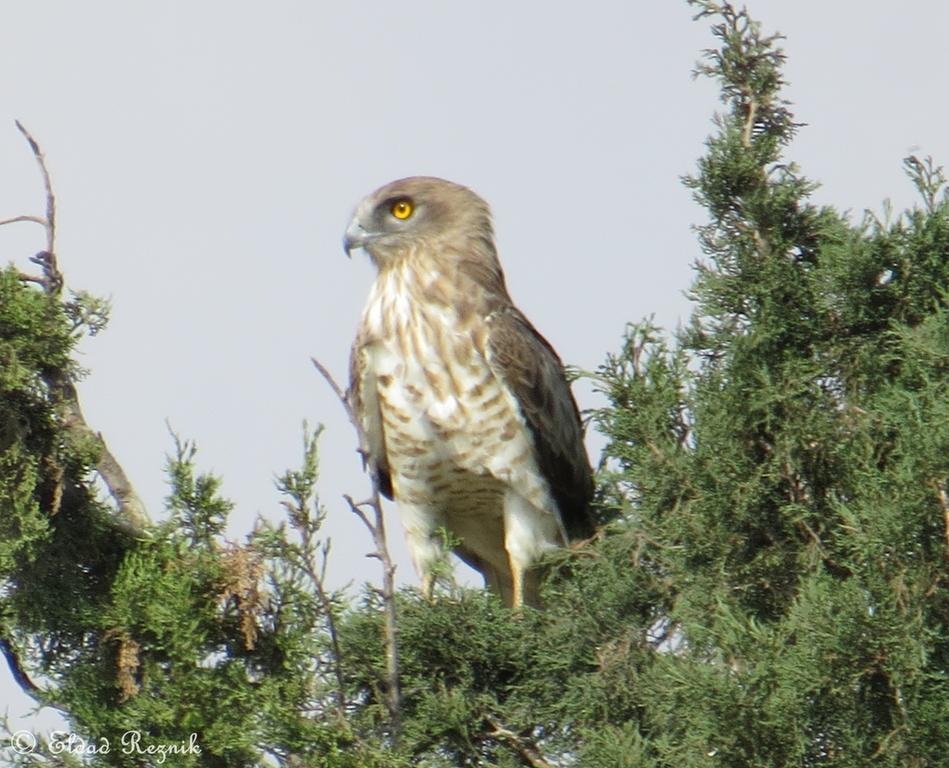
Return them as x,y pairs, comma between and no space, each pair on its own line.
402,209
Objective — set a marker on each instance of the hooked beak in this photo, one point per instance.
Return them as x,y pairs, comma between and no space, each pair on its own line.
355,237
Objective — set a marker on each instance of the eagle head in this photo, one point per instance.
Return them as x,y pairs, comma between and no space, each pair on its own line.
418,211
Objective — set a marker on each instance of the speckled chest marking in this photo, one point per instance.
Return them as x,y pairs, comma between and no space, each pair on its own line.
453,434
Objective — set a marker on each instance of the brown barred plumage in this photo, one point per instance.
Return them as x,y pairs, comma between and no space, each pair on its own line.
467,418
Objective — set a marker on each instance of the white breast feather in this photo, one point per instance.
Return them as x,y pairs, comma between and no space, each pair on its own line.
454,431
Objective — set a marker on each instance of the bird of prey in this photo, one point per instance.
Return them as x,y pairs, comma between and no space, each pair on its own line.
467,420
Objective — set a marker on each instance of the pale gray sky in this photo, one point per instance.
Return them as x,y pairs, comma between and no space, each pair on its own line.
206,158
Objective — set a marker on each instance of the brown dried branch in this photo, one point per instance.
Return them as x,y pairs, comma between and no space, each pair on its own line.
128,662
525,748
242,571
133,517
371,514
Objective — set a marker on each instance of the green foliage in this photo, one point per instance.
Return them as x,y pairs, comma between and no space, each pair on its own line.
33,341
791,480
175,634
771,591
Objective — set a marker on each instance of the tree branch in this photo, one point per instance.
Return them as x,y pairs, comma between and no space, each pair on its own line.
133,515
15,219
47,258
374,520
328,609
525,748
17,670
50,222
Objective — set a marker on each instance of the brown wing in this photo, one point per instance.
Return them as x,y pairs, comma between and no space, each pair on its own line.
525,361
363,397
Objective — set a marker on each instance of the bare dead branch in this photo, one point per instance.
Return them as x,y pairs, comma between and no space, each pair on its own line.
324,372
32,279
525,748
15,219
374,520
357,509
50,222
132,513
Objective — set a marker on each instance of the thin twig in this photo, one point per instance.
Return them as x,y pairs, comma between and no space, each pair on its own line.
35,219
525,748
317,576
377,529
337,390
374,520
327,606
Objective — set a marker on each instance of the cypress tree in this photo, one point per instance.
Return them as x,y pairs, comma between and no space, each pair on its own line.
768,587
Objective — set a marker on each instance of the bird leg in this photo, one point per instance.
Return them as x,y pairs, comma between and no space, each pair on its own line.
428,586
517,577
